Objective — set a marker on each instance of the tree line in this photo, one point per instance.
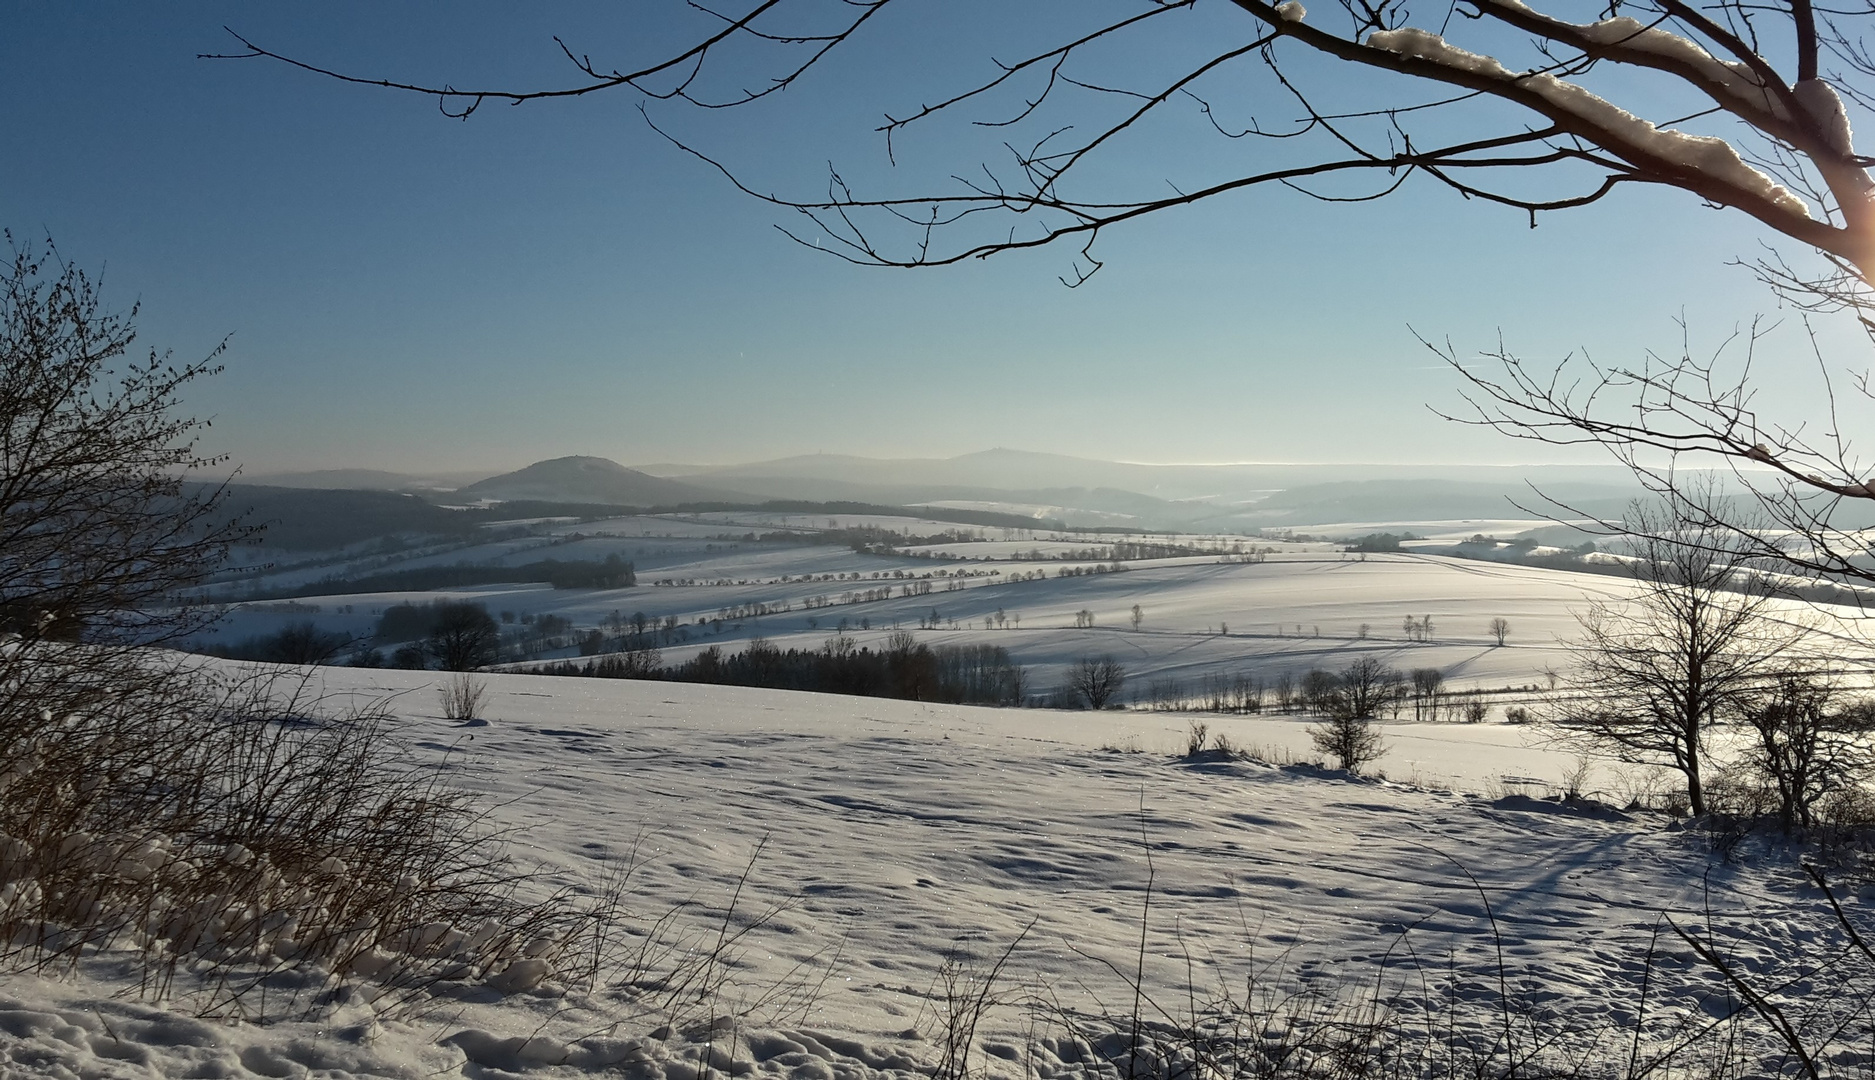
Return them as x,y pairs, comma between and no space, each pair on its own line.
902,668
612,572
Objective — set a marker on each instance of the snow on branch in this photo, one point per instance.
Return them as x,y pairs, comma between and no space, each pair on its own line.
1610,126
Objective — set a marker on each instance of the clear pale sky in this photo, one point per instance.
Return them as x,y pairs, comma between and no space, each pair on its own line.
410,292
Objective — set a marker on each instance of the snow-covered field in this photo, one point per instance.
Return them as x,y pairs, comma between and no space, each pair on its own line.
890,841
1306,606
1444,531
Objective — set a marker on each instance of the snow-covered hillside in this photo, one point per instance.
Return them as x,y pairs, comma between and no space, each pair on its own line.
889,842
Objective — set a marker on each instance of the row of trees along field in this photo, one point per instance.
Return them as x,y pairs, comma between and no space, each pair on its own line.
902,667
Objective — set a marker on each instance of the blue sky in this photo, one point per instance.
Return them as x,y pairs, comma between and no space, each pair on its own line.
411,292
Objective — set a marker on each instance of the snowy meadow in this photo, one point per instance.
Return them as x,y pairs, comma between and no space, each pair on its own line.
813,886
744,881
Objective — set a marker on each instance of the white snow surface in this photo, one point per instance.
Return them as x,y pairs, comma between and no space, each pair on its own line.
1703,154
1825,106
890,837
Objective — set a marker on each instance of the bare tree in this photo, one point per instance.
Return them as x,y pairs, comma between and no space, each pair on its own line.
1319,691
104,538
1284,688
1803,483
304,643
1096,680
1500,629
464,637
1808,742
1689,649
101,534
1365,687
1426,684
1138,616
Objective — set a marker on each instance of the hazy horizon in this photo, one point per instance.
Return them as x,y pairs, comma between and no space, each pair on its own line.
495,468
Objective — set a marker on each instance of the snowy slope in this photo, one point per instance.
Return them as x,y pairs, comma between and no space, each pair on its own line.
890,837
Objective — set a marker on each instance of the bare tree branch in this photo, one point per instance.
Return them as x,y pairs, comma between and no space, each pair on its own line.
1792,134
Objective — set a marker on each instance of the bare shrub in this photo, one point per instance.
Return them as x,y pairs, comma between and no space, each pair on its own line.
1737,797
463,696
1352,741
1850,808
271,849
1575,779
967,993
1197,739
276,850
1639,788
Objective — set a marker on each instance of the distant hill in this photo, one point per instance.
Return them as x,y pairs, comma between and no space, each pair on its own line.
319,519
1077,491
301,519
1427,500
362,480
1075,506
843,476
588,480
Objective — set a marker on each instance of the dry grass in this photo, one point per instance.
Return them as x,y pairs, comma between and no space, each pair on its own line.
1703,1007
463,697
284,854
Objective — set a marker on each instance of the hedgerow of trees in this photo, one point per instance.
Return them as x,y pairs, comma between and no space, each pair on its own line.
902,668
